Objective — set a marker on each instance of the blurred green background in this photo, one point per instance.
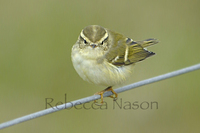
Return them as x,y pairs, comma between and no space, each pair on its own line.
36,38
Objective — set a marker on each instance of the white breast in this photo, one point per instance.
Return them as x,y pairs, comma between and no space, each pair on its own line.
102,73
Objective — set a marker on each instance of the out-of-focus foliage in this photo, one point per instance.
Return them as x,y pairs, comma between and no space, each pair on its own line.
35,45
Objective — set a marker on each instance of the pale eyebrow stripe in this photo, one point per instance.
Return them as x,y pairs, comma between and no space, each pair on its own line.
104,37
84,37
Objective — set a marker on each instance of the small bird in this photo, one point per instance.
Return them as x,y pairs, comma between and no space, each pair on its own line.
104,57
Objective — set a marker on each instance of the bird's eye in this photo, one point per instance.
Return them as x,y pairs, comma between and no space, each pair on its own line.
85,42
82,39
104,40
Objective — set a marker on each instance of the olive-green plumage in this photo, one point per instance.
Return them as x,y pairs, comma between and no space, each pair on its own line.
119,50
125,51
104,57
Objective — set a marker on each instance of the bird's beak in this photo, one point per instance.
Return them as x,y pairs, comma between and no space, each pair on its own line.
93,45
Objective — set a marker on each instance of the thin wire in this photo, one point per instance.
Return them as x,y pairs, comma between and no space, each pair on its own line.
95,97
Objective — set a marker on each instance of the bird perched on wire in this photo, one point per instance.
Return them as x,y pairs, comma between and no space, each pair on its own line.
104,57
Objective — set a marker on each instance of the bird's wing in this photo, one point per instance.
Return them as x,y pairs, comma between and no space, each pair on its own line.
126,51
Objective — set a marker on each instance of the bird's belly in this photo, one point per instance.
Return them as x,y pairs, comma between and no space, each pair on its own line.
102,73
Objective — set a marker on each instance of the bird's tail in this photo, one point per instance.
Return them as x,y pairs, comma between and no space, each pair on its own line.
148,42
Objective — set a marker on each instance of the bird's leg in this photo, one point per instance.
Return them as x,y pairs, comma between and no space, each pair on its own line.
101,94
111,89
103,91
